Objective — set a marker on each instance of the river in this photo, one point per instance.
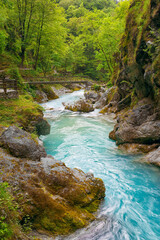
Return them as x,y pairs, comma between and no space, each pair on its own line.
131,209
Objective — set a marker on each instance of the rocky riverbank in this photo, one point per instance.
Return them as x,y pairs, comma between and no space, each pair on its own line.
52,198
138,106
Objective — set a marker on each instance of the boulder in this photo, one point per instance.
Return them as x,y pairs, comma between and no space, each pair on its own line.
147,133
21,144
110,96
63,90
41,97
125,102
42,127
80,106
50,93
102,101
92,96
140,113
138,125
153,157
57,199
137,148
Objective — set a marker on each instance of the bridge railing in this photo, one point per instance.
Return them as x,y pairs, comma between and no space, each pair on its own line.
8,84
54,82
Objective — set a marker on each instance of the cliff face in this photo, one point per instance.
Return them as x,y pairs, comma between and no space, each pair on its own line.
138,81
140,52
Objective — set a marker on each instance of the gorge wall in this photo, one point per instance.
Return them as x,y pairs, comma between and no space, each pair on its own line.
138,77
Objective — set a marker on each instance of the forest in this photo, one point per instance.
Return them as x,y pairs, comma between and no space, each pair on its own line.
65,36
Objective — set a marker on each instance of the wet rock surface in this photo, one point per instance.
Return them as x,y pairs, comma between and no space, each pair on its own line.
80,106
92,96
57,199
138,125
20,144
100,229
136,148
153,157
42,127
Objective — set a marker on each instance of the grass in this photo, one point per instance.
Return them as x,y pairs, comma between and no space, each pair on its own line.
17,111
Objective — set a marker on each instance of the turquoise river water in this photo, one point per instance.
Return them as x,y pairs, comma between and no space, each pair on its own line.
131,209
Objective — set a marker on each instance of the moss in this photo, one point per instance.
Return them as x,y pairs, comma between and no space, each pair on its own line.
19,111
58,86
137,22
93,206
48,91
80,106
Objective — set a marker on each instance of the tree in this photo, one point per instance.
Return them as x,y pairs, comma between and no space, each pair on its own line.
50,33
3,19
25,11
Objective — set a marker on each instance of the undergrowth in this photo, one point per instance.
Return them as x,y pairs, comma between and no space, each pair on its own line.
8,213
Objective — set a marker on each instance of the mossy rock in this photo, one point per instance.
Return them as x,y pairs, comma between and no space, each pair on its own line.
80,106
57,199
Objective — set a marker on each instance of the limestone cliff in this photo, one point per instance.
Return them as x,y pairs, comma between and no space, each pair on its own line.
140,52
138,77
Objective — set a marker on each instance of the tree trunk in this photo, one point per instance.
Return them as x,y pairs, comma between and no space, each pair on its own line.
39,39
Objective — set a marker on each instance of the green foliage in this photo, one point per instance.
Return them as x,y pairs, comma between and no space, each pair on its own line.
66,35
94,39
8,215
2,41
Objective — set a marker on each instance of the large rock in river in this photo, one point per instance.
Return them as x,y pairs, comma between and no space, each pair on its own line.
80,106
21,144
55,198
92,96
139,125
153,157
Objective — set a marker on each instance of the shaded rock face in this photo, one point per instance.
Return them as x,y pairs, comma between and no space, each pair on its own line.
106,97
139,125
153,157
37,124
21,144
42,127
56,198
34,122
80,106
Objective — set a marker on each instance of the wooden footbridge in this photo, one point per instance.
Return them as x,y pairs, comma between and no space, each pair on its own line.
9,87
57,82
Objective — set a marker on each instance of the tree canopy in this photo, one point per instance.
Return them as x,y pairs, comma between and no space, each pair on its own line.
67,35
